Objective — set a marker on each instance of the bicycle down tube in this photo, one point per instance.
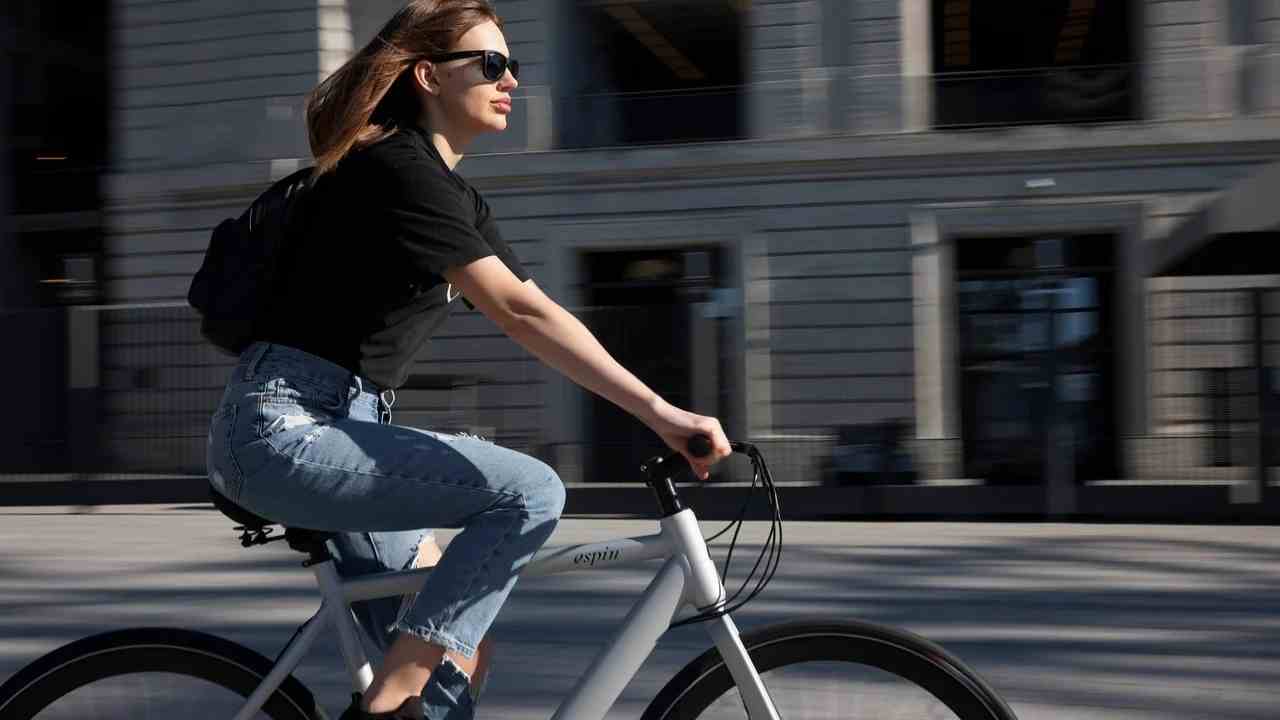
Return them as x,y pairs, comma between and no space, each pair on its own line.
687,577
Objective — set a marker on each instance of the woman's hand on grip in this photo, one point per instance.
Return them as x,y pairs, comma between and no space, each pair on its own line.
676,426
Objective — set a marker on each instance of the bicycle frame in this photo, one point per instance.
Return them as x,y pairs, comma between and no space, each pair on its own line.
687,577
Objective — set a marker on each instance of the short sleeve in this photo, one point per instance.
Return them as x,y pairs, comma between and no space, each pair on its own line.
431,218
488,227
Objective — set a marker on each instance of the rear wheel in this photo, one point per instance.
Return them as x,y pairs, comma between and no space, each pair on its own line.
146,673
835,669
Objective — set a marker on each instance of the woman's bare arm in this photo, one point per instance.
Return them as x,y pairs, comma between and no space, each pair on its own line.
556,337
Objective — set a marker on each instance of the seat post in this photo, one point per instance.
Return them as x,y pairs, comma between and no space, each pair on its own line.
311,542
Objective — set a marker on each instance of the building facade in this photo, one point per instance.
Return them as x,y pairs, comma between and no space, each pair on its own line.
942,222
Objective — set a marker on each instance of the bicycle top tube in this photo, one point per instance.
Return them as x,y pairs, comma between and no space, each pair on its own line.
597,555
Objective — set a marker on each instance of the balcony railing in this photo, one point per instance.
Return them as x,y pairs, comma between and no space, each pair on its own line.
1043,95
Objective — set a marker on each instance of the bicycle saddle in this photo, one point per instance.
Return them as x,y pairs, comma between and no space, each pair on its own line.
256,529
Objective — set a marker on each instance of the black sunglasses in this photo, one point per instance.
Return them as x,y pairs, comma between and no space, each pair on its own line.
495,63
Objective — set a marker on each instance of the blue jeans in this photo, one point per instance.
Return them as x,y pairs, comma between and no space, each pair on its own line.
299,440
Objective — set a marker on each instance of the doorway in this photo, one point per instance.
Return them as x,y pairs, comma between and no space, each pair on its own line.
1037,357
649,308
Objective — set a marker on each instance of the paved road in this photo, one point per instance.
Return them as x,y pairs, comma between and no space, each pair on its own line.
1067,621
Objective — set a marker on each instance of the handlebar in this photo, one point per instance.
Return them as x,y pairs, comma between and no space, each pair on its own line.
697,445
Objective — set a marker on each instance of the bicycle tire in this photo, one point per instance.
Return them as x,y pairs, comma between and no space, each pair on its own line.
910,657
216,660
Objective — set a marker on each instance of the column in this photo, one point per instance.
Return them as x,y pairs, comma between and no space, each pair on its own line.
789,88
936,390
1178,59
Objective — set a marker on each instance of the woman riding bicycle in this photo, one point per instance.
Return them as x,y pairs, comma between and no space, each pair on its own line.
390,237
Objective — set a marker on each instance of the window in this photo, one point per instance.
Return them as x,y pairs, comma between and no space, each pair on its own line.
1050,61
56,150
61,74
651,71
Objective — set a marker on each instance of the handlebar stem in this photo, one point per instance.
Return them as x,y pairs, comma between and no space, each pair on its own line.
668,499
658,473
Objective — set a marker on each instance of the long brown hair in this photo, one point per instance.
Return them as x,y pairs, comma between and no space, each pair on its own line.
371,95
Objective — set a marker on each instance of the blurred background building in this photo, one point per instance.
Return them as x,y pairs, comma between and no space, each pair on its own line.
936,256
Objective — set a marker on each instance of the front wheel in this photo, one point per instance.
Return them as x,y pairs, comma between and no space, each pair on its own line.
146,674
835,669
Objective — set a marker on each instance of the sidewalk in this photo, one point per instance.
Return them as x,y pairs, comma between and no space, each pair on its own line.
1068,621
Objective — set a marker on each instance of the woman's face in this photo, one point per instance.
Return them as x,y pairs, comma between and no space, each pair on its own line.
470,103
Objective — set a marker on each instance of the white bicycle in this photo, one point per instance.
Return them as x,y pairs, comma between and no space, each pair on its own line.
824,668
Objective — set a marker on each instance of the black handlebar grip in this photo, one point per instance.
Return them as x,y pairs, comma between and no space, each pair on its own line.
699,446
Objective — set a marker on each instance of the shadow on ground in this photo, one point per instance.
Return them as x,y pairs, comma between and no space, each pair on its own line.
1065,621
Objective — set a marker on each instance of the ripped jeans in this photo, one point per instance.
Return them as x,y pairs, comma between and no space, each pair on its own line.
298,439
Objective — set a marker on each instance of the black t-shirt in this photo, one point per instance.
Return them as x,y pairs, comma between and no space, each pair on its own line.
362,284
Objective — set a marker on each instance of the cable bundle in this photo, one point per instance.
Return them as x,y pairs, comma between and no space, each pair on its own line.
770,553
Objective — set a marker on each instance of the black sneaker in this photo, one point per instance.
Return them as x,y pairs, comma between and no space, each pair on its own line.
410,709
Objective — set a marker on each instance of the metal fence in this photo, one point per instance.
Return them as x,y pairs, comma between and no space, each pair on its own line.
127,392
1215,384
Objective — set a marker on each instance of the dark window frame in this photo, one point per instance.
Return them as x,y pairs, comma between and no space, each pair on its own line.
1060,88
600,106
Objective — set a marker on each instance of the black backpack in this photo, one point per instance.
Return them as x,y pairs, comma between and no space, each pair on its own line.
236,280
